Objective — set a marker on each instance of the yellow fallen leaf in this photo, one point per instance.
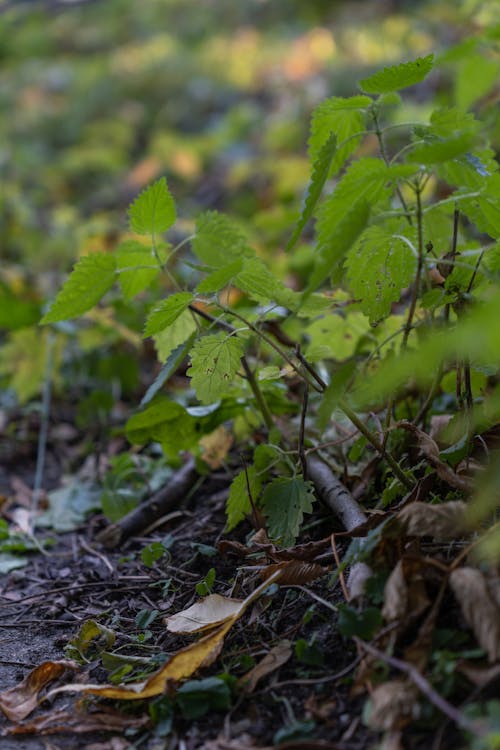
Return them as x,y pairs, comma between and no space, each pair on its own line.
207,613
180,665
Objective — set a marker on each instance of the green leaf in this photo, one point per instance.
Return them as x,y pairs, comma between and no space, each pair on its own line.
285,501
178,333
320,172
379,266
136,266
442,150
197,697
260,284
362,624
165,422
343,117
167,312
92,276
215,360
398,77
238,504
217,280
363,183
153,211
335,240
219,241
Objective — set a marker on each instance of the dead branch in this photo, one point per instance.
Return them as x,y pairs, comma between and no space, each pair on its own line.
149,511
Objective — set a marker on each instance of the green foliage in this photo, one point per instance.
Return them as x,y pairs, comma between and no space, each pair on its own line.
197,697
90,279
167,312
379,265
397,77
136,267
215,360
219,241
164,421
285,501
238,504
153,211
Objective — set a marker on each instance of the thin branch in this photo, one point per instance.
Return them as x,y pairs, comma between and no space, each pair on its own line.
423,685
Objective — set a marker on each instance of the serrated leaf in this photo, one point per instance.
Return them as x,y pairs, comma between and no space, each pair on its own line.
136,267
238,504
284,502
153,211
260,284
215,360
165,422
379,266
217,280
170,338
219,241
476,77
341,116
398,77
441,150
92,276
335,241
363,183
321,170
167,312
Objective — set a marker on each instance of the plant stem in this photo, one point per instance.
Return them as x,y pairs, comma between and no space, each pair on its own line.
383,153
369,435
418,275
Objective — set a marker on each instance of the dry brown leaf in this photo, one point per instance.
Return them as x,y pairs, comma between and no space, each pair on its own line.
479,676
395,595
19,701
444,521
215,446
478,608
392,705
182,664
404,593
270,663
209,612
430,449
294,572
62,721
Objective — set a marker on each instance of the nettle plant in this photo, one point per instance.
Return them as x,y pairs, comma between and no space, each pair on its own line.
399,295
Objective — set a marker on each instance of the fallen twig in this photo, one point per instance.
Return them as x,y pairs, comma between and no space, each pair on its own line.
151,509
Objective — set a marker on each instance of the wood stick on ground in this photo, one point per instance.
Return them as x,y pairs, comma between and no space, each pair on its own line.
340,501
156,506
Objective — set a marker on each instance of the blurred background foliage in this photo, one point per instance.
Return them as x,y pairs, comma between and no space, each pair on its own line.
101,98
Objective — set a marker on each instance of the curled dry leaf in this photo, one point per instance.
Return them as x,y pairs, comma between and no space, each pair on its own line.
294,572
479,676
430,449
270,663
391,705
404,593
444,521
478,608
57,722
207,613
19,701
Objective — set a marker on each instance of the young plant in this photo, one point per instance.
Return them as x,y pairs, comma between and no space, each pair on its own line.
402,290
